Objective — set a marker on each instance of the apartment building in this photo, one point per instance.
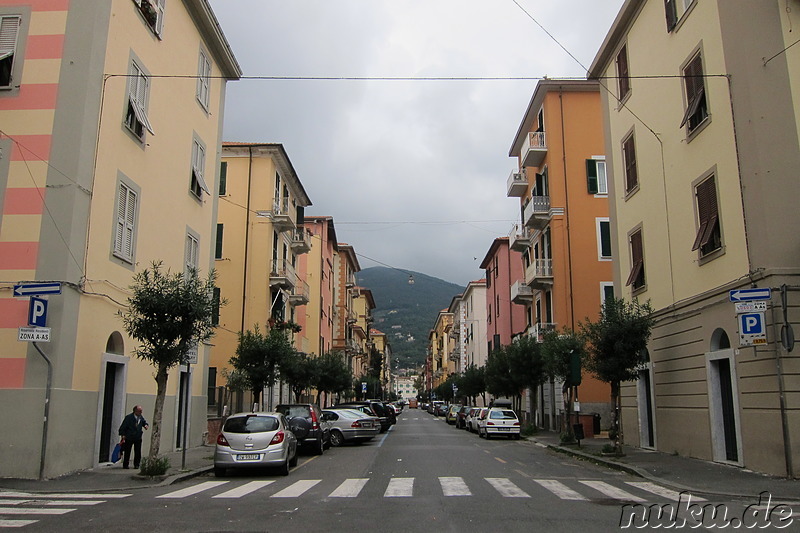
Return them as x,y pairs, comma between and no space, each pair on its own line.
505,319
440,348
360,323
564,232
317,316
260,235
344,339
110,114
469,326
702,124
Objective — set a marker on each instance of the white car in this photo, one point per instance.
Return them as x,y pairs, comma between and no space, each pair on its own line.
499,421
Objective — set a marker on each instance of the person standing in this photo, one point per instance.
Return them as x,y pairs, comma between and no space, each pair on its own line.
131,432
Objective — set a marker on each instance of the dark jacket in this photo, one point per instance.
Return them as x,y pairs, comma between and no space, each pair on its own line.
130,429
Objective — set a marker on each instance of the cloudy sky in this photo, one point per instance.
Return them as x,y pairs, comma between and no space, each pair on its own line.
414,171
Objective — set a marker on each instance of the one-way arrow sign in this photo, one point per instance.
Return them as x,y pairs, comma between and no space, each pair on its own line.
744,295
30,289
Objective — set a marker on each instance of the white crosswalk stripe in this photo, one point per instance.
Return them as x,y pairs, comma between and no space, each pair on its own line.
559,489
507,488
454,486
16,523
28,510
4,501
400,487
63,496
350,488
14,503
296,489
658,490
612,491
191,491
244,490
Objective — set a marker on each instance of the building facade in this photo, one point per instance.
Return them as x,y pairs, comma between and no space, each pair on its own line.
505,319
105,168
317,316
702,123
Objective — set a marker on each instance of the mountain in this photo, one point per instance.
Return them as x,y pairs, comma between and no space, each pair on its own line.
405,312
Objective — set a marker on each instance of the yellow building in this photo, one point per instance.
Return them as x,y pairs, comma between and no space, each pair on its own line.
702,124
111,114
259,237
440,348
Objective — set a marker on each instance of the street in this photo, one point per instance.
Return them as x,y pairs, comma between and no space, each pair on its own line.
421,475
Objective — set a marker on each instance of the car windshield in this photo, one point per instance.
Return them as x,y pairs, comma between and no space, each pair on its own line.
250,424
503,415
294,410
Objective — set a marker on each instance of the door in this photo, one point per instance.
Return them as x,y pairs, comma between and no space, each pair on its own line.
727,409
109,414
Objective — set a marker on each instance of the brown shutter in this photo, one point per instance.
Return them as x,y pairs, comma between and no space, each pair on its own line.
637,259
623,78
629,154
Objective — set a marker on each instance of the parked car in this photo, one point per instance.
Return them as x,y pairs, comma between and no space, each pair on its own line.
452,413
475,419
351,425
461,416
499,421
251,440
311,431
439,408
374,408
390,411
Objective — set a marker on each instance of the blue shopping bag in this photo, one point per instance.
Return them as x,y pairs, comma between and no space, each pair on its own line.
116,453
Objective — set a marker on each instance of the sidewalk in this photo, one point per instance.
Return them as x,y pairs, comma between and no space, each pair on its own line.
680,473
112,477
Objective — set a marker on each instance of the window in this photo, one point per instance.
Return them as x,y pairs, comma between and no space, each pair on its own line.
203,80
623,75
636,277
596,180
606,291
217,298
198,184
9,30
153,13
629,159
218,248
125,234
696,103
675,9
708,237
604,238
138,92
223,178
192,252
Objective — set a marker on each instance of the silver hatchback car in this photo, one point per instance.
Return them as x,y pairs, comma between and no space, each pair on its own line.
252,440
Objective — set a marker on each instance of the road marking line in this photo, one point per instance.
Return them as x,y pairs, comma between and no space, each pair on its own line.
559,489
16,523
500,460
611,491
23,510
296,489
65,495
4,501
384,436
400,487
523,474
191,491
350,488
454,486
505,487
661,491
245,489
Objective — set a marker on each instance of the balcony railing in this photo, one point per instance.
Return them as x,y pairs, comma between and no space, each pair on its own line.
538,330
537,212
517,184
539,274
282,215
283,275
534,149
521,293
300,293
301,241
519,238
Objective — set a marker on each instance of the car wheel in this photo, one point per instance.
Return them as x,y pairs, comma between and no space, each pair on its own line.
219,471
336,438
293,462
486,435
284,468
319,447
516,437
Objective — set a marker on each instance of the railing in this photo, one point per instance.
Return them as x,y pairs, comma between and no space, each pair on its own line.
519,238
538,330
517,183
301,291
284,270
536,140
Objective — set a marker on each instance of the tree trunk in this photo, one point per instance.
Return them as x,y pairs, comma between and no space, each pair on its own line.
158,411
615,417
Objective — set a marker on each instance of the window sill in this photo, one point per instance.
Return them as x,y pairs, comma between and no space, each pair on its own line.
690,135
622,101
683,17
629,194
639,290
711,256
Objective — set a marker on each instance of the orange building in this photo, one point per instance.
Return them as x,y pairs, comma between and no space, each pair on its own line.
564,234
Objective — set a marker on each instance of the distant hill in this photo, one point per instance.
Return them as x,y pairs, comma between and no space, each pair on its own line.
406,313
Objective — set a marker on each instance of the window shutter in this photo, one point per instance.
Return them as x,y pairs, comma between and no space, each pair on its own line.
223,178
9,29
591,176
126,219
672,14
218,249
623,77
707,212
605,239
695,88
629,153
636,277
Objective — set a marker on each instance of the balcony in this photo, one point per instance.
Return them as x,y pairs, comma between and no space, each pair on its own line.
539,274
351,317
517,184
299,295
282,215
537,213
519,239
538,330
283,275
533,149
301,241
521,293
351,282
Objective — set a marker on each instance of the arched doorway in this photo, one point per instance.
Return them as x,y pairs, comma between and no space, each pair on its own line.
111,395
723,399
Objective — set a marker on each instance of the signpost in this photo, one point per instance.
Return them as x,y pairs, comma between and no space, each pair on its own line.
744,295
751,329
751,306
31,289
34,334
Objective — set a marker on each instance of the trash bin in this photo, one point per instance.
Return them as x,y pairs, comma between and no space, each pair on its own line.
577,430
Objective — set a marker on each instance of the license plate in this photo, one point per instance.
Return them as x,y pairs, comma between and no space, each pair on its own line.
367,424
503,429
249,457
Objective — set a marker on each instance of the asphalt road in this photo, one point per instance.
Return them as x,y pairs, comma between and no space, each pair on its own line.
422,475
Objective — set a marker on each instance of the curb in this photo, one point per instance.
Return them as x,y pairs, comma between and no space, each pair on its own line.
174,478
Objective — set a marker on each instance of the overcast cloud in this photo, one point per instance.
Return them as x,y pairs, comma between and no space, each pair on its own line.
413,172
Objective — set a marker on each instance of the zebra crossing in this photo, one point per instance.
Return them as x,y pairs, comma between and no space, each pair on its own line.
20,509
450,486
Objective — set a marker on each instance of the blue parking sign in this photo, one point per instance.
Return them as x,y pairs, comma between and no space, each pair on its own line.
752,329
37,312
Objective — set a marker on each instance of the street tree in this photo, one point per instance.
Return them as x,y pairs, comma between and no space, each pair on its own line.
499,378
258,357
564,355
299,371
473,383
526,364
332,375
168,314
617,347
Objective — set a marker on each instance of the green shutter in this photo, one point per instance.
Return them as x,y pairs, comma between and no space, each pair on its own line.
223,178
218,250
591,176
605,239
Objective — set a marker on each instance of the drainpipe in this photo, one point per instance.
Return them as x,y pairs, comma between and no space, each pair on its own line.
46,408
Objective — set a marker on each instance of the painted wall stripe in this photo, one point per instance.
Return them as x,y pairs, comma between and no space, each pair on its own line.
40,5
31,147
18,255
45,47
23,201
32,96
13,312
12,373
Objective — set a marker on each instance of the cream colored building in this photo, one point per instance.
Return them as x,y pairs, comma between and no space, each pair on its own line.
702,123
111,113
